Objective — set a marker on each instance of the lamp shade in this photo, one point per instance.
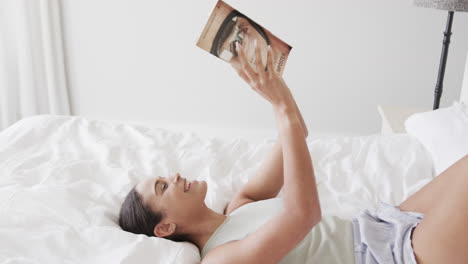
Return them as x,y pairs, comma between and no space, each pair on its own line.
450,5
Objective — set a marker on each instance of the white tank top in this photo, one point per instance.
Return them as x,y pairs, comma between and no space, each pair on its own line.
328,242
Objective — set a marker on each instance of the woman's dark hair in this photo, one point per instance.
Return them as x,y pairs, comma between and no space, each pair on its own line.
136,217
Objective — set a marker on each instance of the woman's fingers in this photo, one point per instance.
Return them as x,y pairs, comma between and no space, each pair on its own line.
235,63
245,77
245,64
258,62
271,68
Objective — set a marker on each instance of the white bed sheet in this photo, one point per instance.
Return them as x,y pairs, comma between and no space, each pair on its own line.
63,179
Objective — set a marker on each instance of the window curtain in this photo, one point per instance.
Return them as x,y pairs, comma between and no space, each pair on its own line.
32,69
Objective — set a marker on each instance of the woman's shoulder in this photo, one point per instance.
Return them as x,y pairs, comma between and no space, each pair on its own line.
242,205
239,201
246,231
243,221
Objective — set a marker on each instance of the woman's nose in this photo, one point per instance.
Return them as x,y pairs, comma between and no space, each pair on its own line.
176,177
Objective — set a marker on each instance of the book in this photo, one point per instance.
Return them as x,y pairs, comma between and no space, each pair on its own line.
226,26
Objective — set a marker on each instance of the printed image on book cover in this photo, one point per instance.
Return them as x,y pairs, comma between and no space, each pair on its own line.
226,26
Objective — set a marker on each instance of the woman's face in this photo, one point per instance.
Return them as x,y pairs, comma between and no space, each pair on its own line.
172,196
245,32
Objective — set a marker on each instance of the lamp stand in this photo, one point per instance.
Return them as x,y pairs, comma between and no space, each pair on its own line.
443,61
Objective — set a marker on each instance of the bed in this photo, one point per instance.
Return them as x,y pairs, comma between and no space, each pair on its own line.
63,179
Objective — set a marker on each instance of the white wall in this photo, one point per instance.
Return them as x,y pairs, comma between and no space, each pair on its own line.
464,90
137,59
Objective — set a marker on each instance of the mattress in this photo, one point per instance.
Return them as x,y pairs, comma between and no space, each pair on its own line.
63,179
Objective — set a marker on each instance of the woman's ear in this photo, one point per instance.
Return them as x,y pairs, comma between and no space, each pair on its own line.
164,229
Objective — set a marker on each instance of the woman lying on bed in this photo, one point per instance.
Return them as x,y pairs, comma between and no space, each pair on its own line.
258,227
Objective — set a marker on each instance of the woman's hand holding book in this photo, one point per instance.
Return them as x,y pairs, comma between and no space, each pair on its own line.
263,80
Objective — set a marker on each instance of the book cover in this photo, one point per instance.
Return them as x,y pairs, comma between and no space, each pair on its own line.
226,26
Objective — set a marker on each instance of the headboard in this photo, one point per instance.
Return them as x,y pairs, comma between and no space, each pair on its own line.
464,90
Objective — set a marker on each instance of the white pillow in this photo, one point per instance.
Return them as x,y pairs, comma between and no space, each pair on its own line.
443,132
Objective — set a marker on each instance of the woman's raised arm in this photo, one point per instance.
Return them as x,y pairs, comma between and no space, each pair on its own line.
301,212
300,191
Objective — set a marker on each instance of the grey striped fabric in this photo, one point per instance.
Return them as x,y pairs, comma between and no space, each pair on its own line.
450,5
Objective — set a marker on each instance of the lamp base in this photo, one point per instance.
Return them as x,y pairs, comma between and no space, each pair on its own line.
443,61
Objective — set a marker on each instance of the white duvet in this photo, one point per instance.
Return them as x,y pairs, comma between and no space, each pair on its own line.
63,179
